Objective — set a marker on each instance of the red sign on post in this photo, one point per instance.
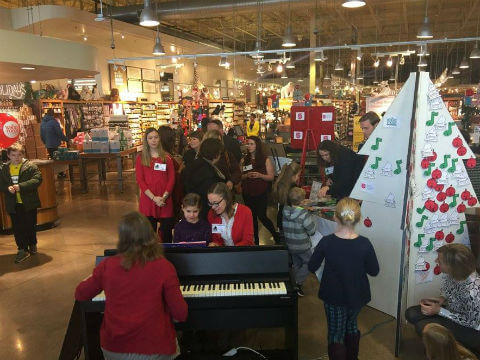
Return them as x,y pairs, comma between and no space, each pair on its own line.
9,130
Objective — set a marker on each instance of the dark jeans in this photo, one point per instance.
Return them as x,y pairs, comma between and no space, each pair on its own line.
258,205
280,217
166,227
468,337
23,223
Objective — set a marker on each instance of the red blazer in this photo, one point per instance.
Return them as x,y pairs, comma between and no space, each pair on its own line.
242,231
158,182
140,305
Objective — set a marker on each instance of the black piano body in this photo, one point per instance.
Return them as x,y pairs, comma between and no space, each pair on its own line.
258,268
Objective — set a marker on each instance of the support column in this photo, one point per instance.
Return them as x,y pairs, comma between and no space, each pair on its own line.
312,65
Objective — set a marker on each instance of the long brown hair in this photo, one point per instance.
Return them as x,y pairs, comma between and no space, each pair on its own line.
440,344
284,182
146,156
222,190
137,241
333,148
167,138
459,260
260,157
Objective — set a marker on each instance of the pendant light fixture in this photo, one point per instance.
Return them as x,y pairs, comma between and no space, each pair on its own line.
464,64
284,75
290,64
158,49
375,81
422,62
425,31
320,56
351,4
376,63
389,62
327,76
456,69
258,43
288,40
148,17
359,55
475,54
224,62
257,55
260,69
100,16
338,66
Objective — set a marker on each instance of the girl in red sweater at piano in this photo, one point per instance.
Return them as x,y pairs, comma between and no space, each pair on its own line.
156,178
232,223
142,295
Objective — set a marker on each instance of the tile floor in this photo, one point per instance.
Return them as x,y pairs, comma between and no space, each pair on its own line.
36,296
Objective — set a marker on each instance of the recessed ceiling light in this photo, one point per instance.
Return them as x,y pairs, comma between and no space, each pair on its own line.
33,81
27,68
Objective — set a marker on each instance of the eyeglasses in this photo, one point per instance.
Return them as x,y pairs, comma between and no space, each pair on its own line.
214,204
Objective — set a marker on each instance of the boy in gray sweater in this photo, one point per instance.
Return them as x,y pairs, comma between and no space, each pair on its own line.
298,226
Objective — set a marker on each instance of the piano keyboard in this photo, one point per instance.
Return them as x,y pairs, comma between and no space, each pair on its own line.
233,289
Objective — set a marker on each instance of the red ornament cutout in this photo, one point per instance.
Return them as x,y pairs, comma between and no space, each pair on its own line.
431,183
436,270
439,187
433,157
436,174
431,205
425,163
465,195
462,151
427,265
439,235
367,222
444,208
472,201
472,162
450,191
441,196
449,238
461,208
457,142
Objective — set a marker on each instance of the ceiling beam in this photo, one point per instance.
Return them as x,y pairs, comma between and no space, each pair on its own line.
405,16
374,16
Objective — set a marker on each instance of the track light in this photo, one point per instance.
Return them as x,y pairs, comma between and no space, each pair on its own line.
359,55
279,68
288,40
290,65
353,3
148,16
389,62
402,60
376,63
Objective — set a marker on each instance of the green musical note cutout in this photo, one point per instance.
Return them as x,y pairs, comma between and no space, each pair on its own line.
377,144
462,227
432,118
452,168
398,170
430,244
428,172
419,241
454,202
420,210
375,165
445,162
422,220
448,132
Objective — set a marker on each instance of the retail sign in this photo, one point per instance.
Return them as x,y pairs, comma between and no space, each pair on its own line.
298,135
300,116
12,91
325,137
327,116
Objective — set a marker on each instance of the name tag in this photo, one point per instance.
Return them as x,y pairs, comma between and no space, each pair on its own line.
248,167
15,179
218,228
329,170
160,167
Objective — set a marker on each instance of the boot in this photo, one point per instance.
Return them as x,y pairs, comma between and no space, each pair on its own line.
352,343
337,351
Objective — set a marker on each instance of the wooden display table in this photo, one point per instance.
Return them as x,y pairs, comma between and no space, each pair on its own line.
101,158
47,214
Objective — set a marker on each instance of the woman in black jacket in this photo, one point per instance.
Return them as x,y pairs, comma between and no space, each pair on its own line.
203,173
342,167
19,181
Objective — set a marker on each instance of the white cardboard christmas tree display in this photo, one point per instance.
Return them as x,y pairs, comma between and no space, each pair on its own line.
439,191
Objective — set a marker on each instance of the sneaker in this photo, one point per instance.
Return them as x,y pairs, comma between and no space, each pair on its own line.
21,256
32,249
300,291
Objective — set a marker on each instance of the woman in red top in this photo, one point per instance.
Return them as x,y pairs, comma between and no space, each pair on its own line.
231,222
156,178
258,173
142,295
